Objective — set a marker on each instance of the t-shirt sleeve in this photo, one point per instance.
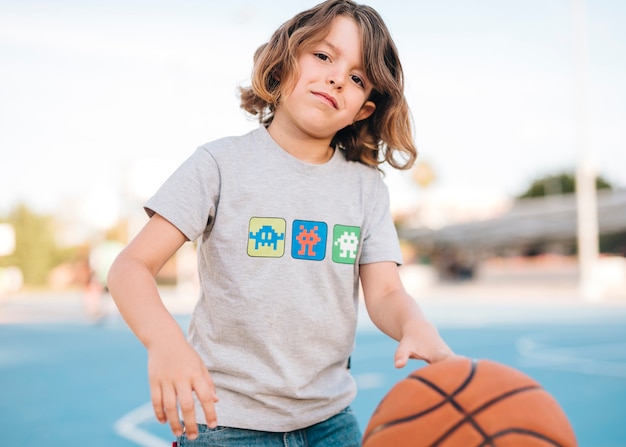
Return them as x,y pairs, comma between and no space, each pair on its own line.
188,198
380,238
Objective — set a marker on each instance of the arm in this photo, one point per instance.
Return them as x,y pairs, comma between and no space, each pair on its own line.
396,314
175,370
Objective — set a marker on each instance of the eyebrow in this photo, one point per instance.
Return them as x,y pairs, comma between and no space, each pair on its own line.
337,50
329,45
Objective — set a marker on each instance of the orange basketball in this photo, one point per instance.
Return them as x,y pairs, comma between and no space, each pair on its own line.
468,403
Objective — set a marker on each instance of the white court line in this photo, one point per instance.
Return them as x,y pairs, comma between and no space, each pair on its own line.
128,427
570,359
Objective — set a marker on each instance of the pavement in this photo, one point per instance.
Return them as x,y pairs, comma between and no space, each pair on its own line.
79,383
29,306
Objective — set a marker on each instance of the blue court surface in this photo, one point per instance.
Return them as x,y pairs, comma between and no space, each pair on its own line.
72,383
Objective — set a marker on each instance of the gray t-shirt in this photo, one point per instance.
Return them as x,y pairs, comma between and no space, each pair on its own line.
279,245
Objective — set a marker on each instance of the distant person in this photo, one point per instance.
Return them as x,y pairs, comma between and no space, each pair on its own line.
100,260
287,219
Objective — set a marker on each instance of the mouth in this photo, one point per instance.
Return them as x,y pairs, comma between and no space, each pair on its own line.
326,98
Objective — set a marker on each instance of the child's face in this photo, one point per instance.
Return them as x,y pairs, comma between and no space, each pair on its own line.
332,89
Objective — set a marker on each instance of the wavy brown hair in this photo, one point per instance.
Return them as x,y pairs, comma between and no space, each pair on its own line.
386,136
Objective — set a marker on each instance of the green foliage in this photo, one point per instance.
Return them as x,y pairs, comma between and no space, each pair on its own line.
614,243
564,183
36,251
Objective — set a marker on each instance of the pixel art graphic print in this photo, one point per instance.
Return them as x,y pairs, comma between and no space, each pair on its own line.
266,237
346,241
309,240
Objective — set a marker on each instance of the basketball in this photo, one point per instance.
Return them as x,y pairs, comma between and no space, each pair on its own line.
468,403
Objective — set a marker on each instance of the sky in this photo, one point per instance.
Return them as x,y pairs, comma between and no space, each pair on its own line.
100,101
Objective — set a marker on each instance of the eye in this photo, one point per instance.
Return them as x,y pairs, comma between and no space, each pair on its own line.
357,79
321,56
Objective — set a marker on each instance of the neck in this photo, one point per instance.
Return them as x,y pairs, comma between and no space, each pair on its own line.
304,147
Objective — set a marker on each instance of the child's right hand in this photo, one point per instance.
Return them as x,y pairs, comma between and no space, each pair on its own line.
175,373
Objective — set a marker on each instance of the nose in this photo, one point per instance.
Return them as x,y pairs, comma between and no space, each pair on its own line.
335,80
335,84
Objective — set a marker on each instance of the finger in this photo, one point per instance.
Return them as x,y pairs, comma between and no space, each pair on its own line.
188,411
157,402
205,392
171,409
401,357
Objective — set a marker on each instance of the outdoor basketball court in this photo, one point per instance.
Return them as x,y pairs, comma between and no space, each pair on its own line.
71,383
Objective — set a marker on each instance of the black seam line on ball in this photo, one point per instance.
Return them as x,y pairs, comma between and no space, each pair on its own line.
448,399
469,417
520,431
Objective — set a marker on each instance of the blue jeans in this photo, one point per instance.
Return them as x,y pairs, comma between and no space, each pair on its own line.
341,430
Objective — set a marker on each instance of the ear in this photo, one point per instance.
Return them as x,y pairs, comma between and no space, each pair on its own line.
366,111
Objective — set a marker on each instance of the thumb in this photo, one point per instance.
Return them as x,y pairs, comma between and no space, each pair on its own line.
402,356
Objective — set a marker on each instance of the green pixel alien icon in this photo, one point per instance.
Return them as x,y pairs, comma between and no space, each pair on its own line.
345,243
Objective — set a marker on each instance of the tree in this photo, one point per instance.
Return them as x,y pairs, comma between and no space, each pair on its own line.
564,183
36,251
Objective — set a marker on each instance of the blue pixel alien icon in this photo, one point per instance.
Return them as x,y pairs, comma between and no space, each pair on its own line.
266,237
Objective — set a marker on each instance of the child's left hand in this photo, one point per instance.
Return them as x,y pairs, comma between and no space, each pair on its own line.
422,343
398,315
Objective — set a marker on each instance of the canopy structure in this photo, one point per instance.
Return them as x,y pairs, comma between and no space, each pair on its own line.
529,221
